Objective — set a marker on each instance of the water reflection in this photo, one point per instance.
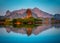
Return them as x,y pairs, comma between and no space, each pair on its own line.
56,25
29,29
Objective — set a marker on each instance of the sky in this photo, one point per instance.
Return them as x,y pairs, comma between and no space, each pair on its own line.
49,6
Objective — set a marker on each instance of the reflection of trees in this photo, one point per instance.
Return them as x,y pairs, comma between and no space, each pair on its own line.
56,25
25,25
27,29
14,21
17,28
52,20
2,21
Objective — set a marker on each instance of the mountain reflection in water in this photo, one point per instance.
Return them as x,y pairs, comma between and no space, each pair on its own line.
29,29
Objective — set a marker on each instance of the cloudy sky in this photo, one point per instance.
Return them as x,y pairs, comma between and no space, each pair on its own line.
50,6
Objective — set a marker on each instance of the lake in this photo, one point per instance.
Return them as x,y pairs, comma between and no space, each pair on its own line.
39,34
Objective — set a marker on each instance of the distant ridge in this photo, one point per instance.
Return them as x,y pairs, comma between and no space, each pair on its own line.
21,13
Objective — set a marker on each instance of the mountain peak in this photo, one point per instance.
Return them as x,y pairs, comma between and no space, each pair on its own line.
35,10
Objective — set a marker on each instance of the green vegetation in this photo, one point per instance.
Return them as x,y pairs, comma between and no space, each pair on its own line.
26,22
31,20
19,22
52,20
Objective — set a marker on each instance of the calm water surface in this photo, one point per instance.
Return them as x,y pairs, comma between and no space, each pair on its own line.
40,34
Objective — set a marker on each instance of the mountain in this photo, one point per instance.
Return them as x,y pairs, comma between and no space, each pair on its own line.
15,14
22,13
57,16
41,13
